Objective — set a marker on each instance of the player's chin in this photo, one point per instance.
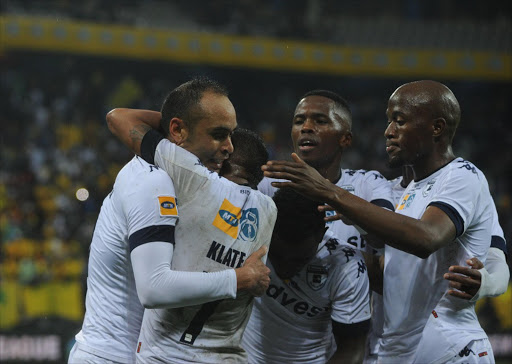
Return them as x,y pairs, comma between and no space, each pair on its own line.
307,156
395,161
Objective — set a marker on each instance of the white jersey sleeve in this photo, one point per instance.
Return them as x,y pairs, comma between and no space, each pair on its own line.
461,207
159,286
380,189
149,206
136,211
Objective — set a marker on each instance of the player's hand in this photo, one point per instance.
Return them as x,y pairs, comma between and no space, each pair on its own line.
254,275
466,281
301,177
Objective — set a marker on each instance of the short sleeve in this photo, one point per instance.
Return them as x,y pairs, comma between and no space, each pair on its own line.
381,194
150,200
459,193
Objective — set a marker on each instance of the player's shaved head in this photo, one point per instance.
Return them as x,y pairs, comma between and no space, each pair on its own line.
433,97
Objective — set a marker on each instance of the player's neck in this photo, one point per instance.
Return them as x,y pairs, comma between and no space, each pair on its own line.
427,166
332,171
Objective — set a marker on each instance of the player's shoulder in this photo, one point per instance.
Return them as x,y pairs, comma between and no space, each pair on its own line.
264,199
337,251
465,168
363,174
139,174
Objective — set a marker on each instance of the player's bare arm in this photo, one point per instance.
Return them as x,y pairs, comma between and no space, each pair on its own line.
130,125
254,275
375,266
350,339
418,237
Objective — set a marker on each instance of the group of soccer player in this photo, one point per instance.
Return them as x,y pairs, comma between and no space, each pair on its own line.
206,252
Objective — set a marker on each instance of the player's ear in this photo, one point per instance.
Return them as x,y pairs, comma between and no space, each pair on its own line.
346,140
177,131
438,127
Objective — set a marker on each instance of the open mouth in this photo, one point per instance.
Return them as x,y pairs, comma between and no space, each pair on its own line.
307,145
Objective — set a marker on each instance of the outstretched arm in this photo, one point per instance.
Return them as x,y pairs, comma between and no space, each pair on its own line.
130,125
419,237
476,281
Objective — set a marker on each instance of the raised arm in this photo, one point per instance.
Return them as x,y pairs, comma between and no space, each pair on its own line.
130,125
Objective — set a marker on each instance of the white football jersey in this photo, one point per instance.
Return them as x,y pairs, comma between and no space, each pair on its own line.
414,288
141,200
377,304
368,185
291,322
221,224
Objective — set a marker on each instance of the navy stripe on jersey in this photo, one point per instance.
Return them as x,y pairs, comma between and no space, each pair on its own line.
499,243
148,145
452,214
383,203
150,234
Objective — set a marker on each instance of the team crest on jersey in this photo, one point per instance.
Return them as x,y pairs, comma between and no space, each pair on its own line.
249,224
227,219
168,206
406,201
316,276
428,187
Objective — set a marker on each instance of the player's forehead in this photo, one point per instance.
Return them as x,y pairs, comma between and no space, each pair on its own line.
315,104
217,111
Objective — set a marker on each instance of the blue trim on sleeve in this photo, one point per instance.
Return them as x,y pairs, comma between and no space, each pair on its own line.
149,144
150,234
499,243
383,203
452,214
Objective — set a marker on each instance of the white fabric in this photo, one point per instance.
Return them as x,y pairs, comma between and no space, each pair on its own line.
377,323
221,224
79,356
477,351
414,287
159,286
495,275
368,185
113,312
291,322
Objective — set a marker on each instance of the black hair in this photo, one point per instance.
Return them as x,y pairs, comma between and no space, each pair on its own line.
183,101
338,101
250,152
297,216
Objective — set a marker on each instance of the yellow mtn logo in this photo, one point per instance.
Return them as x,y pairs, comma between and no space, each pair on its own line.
167,205
228,218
